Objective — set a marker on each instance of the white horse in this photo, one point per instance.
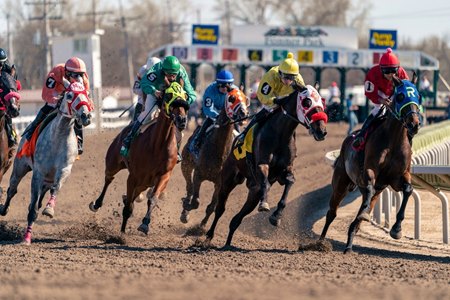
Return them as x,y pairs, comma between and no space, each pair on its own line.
54,155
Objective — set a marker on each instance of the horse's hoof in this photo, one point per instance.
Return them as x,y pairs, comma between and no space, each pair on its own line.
143,228
364,216
49,212
3,211
92,207
348,251
274,221
264,206
139,198
195,204
184,217
395,234
27,239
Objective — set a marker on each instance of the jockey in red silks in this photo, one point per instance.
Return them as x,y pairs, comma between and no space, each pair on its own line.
379,87
73,70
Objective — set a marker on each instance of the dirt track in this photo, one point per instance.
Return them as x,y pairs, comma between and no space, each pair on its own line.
80,255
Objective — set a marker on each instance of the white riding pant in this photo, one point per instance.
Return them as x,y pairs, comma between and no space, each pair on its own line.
150,111
376,109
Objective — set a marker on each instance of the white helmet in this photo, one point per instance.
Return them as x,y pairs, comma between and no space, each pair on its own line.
151,61
143,71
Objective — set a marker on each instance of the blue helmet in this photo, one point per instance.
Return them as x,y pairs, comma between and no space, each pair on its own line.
224,76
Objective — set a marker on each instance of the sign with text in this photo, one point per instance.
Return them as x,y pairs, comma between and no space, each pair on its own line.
279,55
230,54
204,53
330,57
305,56
255,55
205,34
383,39
180,52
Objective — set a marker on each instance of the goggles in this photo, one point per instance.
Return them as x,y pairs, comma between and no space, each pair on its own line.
288,76
171,74
74,74
389,70
224,85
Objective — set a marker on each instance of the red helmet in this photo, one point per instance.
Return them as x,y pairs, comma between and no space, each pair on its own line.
75,64
389,59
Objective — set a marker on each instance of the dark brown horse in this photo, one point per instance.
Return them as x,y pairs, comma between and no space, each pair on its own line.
213,152
272,157
385,161
9,108
151,159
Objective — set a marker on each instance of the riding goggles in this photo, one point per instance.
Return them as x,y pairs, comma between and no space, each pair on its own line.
74,74
288,76
389,70
223,85
170,74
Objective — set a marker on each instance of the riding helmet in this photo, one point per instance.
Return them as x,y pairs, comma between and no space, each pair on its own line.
171,65
3,55
289,65
224,76
388,59
75,64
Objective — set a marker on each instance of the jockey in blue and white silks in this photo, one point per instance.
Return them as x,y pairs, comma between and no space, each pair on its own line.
214,101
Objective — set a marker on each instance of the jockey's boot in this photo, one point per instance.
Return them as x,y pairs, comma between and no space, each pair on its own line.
10,132
28,133
79,133
359,138
198,140
260,116
129,138
137,111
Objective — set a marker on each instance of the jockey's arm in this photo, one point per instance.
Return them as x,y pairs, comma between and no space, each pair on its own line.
266,90
192,96
147,83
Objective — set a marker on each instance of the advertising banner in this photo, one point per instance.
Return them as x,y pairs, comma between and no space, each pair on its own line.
205,34
383,39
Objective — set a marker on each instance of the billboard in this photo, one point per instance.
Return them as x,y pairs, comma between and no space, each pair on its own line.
383,39
205,34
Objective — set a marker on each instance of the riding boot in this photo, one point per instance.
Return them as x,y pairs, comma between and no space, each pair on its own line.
79,133
260,116
359,138
28,133
198,140
129,138
137,111
10,132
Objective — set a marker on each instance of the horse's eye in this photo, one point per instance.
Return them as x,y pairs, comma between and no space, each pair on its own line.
306,103
400,97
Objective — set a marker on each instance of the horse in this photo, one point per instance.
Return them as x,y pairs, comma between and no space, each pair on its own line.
151,159
55,151
9,107
385,161
207,163
272,155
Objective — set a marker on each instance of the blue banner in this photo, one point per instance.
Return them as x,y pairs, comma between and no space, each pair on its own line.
383,39
205,34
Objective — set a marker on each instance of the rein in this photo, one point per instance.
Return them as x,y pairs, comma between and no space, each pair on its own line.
285,113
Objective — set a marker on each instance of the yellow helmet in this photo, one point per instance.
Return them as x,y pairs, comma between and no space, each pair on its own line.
289,65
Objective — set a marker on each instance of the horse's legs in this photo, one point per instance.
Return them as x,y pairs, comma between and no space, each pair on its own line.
94,206
60,178
367,193
190,203
152,197
230,179
211,206
340,185
33,209
396,230
187,167
252,201
288,180
262,173
132,192
20,169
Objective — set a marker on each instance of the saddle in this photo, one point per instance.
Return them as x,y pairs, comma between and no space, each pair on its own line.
241,150
372,127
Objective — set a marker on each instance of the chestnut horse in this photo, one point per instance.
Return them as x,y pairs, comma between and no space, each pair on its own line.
152,156
385,161
213,152
272,157
9,108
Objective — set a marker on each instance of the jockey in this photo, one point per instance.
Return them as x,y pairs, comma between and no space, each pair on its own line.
379,87
11,70
153,85
214,102
151,61
73,70
274,85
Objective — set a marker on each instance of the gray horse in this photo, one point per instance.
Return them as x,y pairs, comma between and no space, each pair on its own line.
53,157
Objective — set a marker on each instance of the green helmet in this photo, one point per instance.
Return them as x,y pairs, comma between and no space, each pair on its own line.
171,65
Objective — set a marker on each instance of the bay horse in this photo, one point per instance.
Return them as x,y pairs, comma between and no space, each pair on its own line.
9,108
55,150
207,164
272,157
151,159
385,161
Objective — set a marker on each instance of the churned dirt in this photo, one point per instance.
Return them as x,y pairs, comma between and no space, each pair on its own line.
82,255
